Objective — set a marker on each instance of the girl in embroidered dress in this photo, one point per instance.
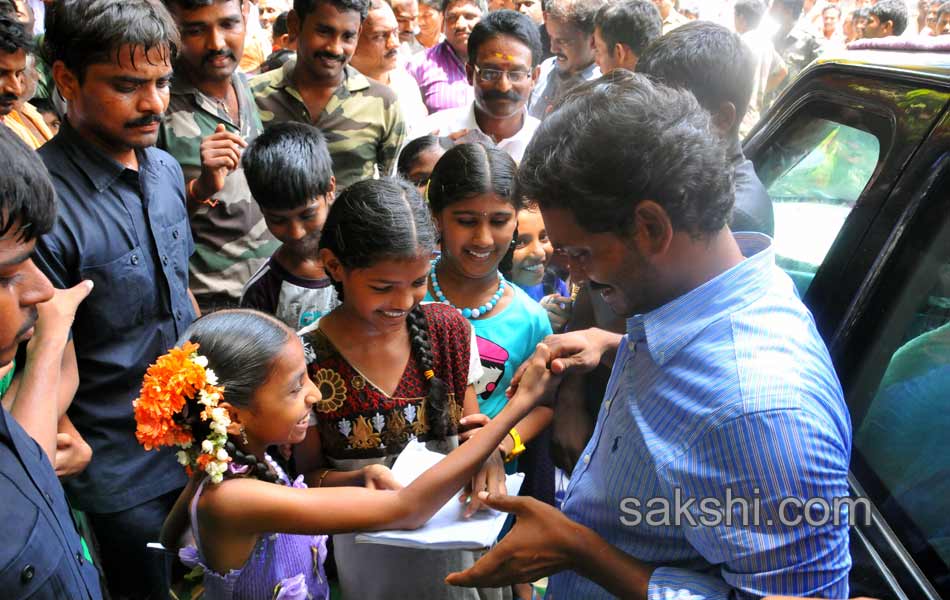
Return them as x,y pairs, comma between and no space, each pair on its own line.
389,369
238,385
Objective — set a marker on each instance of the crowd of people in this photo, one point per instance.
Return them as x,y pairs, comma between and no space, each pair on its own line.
273,242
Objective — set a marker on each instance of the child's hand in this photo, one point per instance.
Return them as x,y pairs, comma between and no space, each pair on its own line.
72,455
490,478
469,425
537,383
559,310
379,477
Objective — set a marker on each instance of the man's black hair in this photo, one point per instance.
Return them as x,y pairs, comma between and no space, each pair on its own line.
579,13
13,35
305,7
279,27
753,11
196,4
27,199
634,23
894,11
707,59
614,142
794,7
510,23
482,5
84,32
944,8
287,166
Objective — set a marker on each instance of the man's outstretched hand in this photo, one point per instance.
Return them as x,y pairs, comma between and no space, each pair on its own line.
540,544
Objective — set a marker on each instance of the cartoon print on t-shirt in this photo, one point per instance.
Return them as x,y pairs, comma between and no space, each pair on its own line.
493,359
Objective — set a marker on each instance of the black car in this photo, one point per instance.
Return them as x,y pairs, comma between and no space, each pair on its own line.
856,157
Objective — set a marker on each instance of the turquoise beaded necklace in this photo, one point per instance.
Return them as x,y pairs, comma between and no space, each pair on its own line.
468,313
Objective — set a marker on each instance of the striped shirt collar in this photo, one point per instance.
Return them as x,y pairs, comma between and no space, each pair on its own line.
667,329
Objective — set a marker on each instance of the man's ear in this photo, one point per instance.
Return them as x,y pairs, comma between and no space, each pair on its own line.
245,9
66,81
331,190
652,228
470,73
887,28
724,119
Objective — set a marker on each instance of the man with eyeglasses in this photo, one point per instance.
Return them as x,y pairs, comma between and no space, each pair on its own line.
503,54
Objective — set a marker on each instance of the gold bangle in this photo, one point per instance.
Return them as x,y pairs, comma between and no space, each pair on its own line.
322,477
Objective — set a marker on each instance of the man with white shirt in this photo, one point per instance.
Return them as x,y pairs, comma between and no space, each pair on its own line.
377,57
503,54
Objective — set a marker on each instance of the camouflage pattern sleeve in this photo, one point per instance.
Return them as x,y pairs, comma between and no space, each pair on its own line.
394,134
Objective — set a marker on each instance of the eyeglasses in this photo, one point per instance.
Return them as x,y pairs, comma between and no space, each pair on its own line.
494,75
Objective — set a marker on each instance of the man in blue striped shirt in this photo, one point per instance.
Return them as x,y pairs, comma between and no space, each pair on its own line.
718,465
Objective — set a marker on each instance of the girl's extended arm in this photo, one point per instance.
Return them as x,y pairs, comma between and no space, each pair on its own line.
252,506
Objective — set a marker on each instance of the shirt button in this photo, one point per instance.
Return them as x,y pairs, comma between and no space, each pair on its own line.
632,346
80,558
135,259
49,497
165,260
26,575
587,459
178,315
175,234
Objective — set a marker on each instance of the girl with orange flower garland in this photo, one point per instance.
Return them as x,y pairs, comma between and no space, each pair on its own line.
238,385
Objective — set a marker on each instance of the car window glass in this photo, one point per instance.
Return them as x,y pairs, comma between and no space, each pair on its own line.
902,438
814,171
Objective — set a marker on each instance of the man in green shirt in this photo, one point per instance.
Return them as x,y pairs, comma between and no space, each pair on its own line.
360,118
210,119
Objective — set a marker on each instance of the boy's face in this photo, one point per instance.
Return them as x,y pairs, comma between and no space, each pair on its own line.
22,287
299,229
52,121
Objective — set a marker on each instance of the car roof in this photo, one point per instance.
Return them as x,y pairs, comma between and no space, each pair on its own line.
932,66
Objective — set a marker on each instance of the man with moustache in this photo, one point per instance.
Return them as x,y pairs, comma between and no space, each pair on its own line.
570,23
15,47
722,389
360,118
122,224
211,117
407,16
440,70
377,57
503,56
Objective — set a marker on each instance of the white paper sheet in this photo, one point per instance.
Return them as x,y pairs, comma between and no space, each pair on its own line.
448,529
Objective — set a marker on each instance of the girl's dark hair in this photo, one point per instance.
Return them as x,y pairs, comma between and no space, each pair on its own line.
470,170
241,347
386,219
410,154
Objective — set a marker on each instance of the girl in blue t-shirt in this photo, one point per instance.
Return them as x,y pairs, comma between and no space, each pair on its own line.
470,196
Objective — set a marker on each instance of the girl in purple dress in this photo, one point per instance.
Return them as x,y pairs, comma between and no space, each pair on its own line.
239,384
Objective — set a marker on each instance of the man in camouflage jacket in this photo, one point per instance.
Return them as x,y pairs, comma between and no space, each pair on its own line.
210,119
359,117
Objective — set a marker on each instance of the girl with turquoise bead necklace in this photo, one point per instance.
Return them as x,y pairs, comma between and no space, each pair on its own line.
470,196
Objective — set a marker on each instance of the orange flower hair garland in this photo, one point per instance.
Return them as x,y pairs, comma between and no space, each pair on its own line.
176,377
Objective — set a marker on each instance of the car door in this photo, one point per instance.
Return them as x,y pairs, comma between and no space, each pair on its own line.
862,243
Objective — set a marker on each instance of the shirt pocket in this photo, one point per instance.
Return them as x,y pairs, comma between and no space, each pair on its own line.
117,302
175,244
31,557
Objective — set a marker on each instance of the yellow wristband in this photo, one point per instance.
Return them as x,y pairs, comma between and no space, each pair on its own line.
519,446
